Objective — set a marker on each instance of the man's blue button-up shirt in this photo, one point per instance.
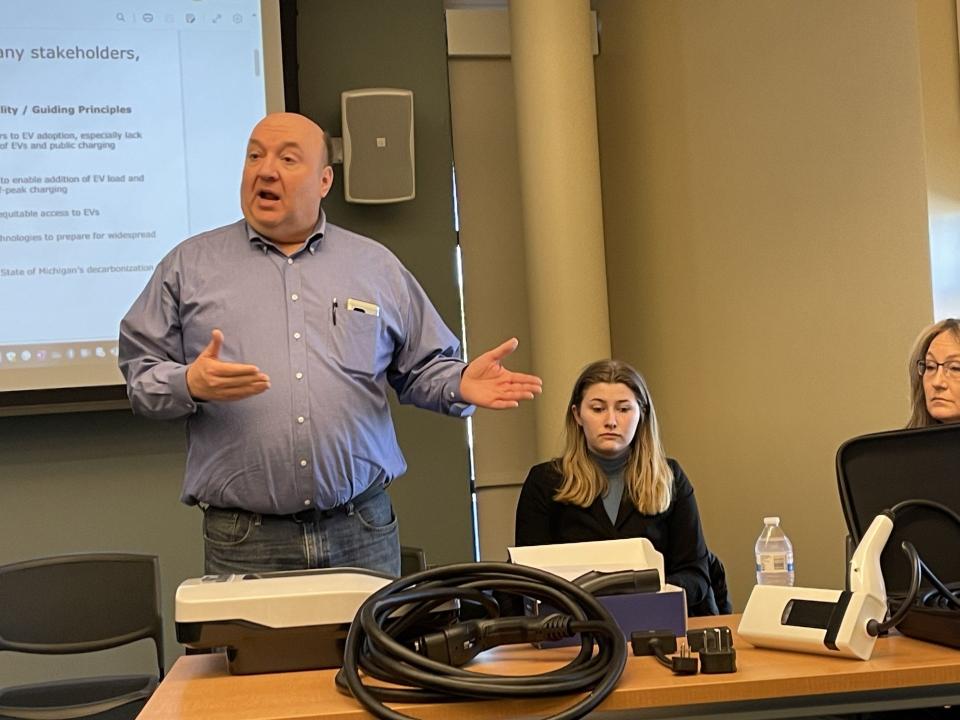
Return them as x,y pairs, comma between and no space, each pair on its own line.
323,432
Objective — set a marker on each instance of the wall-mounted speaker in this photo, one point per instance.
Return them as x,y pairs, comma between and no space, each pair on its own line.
378,164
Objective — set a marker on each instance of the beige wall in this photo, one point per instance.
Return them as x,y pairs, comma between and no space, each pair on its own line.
764,194
765,214
494,279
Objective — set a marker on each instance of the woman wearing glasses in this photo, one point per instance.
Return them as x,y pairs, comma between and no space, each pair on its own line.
935,375
614,481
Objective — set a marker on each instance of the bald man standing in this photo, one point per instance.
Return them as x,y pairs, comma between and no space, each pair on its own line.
276,337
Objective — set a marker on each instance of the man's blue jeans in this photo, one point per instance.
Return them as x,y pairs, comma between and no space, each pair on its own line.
362,535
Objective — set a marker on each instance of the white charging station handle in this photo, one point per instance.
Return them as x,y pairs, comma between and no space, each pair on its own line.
865,573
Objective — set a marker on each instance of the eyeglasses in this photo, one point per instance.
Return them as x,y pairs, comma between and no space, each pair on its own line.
951,368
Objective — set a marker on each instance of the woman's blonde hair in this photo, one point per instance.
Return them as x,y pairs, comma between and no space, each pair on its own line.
919,415
647,477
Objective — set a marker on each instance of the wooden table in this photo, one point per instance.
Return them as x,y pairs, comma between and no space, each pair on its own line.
903,673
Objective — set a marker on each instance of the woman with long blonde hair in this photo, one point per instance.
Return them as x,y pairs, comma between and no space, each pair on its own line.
613,481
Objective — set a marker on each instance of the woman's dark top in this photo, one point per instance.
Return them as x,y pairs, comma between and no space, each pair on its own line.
676,532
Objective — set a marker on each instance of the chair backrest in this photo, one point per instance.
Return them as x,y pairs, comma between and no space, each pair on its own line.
718,583
412,560
875,472
80,603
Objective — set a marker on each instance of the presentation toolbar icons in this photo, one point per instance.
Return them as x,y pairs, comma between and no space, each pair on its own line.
48,355
187,18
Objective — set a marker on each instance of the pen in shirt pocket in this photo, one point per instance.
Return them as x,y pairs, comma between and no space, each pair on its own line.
333,311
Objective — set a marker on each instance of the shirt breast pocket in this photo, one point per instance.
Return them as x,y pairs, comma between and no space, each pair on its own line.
355,341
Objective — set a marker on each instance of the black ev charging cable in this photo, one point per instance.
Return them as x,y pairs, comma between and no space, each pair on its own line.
384,644
874,627
917,568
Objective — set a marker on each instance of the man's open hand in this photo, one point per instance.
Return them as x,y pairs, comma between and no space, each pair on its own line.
487,383
210,378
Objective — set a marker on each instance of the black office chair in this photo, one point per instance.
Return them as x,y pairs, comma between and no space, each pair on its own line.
76,604
717,600
875,472
718,583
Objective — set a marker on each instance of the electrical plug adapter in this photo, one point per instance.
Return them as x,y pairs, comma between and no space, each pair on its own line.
709,637
718,661
715,646
661,643
684,663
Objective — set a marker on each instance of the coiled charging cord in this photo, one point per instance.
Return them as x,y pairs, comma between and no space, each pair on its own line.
383,643
917,569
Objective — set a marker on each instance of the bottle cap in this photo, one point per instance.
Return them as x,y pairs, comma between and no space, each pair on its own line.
773,520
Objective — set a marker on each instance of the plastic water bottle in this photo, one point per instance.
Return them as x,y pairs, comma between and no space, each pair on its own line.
774,555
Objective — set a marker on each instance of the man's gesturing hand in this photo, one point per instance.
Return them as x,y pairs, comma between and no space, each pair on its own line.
210,378
487,383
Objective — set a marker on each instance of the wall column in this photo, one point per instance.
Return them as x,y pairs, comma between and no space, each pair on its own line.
552,57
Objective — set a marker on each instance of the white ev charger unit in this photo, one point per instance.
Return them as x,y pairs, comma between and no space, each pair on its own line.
274,622
826,622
